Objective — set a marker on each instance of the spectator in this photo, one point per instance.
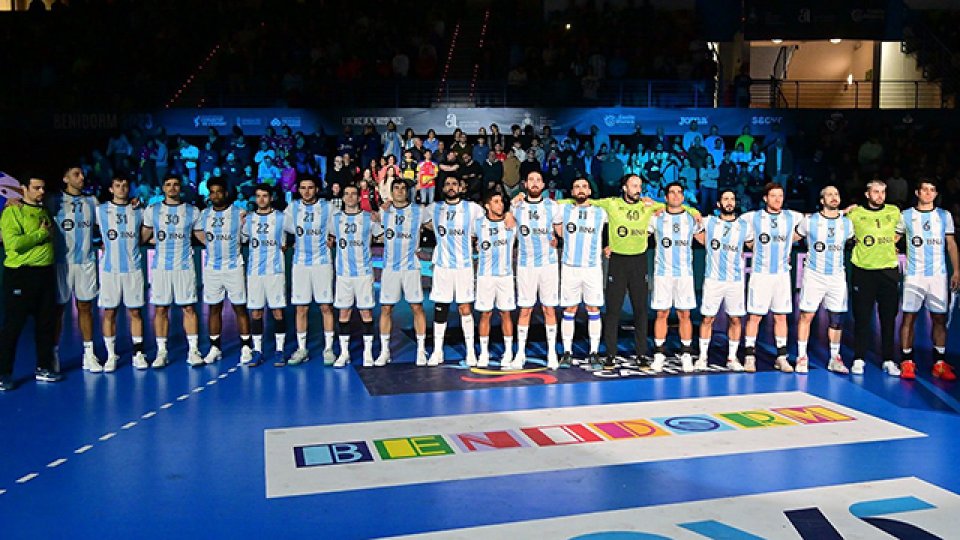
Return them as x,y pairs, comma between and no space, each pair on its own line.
611,171
870,155
715,144
492,170
426,175
369,195
778,163
431,143
511,174
267,172
697,154
190,155
745,138
692,133
392,143
263,152
471,173
480,150
370,144
347,143
709,182
897,189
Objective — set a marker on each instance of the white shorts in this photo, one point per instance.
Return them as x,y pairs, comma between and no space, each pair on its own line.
79,280
452,285
730,293
931,291
405,284
581,284
673,292
126,289
541,283
354,292
495,290
769,292
267,291
218,284
173,286
817,288
311,284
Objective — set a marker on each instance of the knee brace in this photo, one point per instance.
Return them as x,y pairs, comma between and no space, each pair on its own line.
440,313
836,320
344,328
280,326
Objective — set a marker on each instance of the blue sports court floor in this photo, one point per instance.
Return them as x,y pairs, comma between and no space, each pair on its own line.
213,452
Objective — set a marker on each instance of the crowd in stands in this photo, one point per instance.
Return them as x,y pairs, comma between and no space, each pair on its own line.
702,159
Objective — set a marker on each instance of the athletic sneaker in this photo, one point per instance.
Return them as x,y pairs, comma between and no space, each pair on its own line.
435,359
686,363
301,356
140,361
161,360
836,365
610,362
908,369
518,361
566,360
383,359
749,360
506,359
328,357
857,368
471,359
484,360
734,365
194,358
944,371
111,365
552,361
367,358
701,365
47,375
279,360
783,364
595,361
891,369
246,355
342,360
658,360
803,365
6,383
421,358
213,355
91,363
256,358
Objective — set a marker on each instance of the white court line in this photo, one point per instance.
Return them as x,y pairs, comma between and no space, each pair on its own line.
27,477
56,463
150,414
222,376
231,370
108,436
183,397
128,425
212,382
83,449
198,389
166,405
2,491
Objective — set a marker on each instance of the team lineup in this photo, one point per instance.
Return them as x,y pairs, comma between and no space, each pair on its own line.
506,256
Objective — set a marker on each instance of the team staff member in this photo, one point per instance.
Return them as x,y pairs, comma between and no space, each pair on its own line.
29,282
628,215
876,275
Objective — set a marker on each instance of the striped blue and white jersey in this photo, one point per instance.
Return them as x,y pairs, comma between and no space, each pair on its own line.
266,236
673,234
773,240
120,228
925,234
172,229
582,228
453,225
222,229
826,241
535,232
494,247
352,234
724,242
74,216
401,236
308,224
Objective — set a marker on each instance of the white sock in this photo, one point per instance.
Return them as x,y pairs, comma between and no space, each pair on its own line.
834,350
750,341
659,342
281,339
385,344
466,323
367,345
704,347
161,343
344,344
438,330
137,339
732,346
484,345
781,341
566,334
327,340
908,351
801,349
551,338
594,327
507,345
421,342
110,343
302,340
87,347
522,332
940,350
192,341
258,342
686,343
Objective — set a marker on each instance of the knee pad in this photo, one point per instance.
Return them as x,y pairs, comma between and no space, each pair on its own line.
440,313
836,320
280,326
344,328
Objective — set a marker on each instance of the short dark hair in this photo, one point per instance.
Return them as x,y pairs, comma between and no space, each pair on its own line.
119,178
306,178
626,178
770,187
263,186
73,166
667,187
488,196
173,176
724,191
350,186
926,180
398,182
217,181
25,177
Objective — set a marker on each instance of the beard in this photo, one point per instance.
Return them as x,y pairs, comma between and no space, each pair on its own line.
451,196
631,198
581,198
728,212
